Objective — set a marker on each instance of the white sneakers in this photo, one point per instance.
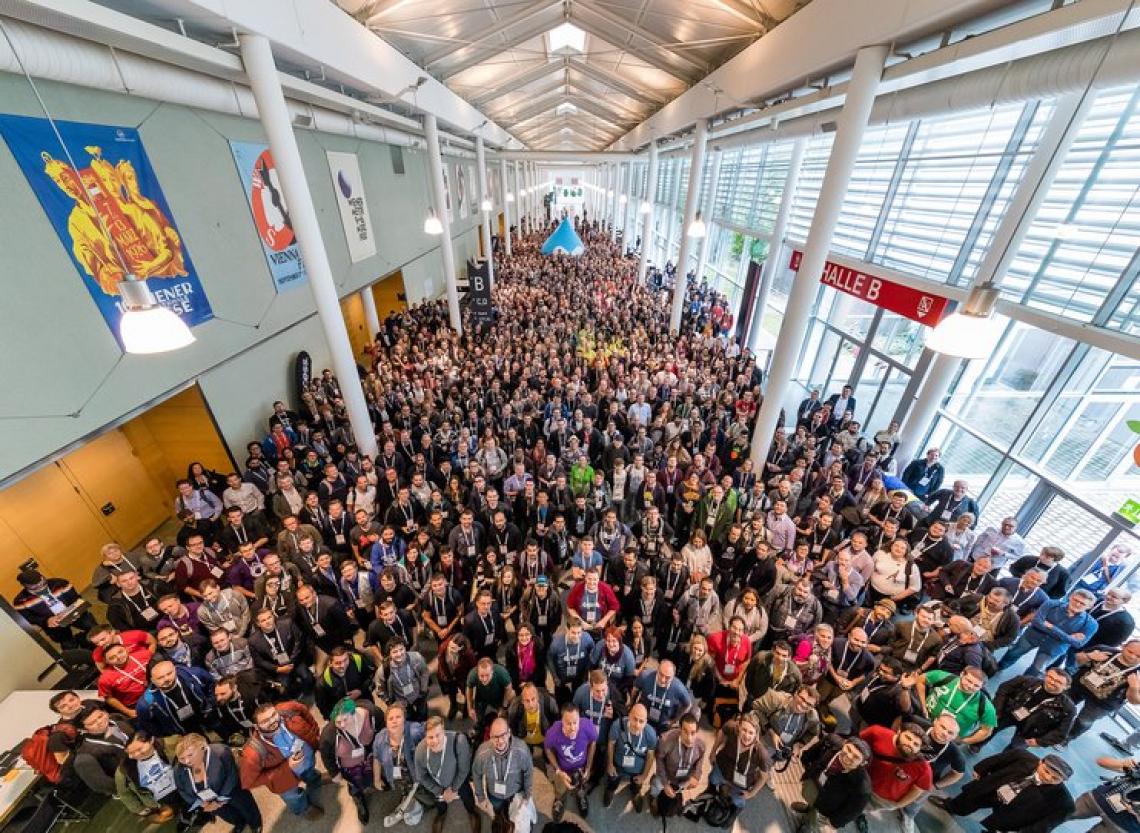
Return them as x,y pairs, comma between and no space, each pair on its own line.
410,817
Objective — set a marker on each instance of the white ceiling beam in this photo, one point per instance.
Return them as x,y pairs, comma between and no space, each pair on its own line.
600,124
648,56
607,78
504,113
835,31
374,11
489,51
514,82
602,111
750,14
633,32
484,37
537,108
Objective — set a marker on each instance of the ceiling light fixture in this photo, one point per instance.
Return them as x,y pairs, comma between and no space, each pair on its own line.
697,228
971,331
147,326
432,224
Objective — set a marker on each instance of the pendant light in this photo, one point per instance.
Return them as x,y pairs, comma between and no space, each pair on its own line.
432,225
147,327
971,331
697,228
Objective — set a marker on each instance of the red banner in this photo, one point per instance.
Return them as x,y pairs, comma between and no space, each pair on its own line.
908,302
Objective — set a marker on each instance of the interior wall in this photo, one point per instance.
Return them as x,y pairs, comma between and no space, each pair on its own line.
176,432
90,382
24,661
56,513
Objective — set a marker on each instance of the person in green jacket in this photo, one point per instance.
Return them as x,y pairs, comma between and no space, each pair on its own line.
581,477
716,512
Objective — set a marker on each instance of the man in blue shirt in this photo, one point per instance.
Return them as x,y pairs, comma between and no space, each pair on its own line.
632,748
665,697
1058,625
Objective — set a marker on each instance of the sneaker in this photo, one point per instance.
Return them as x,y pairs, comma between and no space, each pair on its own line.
608,797
583,804
558,810
413,814
392,819
639,803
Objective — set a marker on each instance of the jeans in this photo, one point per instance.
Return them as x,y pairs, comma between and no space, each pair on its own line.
1046,653
717,780
299,798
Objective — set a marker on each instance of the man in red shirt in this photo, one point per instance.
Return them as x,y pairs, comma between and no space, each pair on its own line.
899,774
124,678
594,601
138,643
730,650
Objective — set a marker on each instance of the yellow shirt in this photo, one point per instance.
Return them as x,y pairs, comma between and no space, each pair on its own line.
533,736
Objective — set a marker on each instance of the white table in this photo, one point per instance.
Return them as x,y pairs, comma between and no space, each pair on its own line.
21,713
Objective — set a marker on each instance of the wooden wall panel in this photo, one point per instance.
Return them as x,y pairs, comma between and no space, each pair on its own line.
352,308
387,292
183,432
106,470
53,522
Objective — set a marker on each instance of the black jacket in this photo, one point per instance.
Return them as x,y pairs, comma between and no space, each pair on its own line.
265,654
1056,583
331,628
844,795
547,715
1048,724
331,688
1035,809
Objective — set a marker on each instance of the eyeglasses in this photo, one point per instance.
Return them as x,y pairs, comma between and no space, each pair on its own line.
500,736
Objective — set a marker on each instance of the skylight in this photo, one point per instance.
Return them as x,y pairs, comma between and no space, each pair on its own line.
565,39
565,108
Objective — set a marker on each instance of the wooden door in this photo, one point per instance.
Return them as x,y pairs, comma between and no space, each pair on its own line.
389,295
106,471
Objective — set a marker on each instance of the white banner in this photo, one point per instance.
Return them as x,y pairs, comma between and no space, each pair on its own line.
349,187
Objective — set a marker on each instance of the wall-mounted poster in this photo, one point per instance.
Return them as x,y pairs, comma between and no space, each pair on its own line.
104,202
270,213
476,197
460,191
447,190
349,187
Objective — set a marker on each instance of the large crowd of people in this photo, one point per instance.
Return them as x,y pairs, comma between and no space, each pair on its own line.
564,565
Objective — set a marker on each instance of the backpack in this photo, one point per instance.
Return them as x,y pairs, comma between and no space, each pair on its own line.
35,751
713,808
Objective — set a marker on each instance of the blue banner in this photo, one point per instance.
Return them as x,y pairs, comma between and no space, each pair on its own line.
109,212
270,213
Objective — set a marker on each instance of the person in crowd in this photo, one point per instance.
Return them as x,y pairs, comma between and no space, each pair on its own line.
281,754
1001,544
739,764
1105,681
1039,709
208,782
1021,791
502,775
443,768
963,695
346,748
899,773
1058,626
394,751
570,746
836,786
630,755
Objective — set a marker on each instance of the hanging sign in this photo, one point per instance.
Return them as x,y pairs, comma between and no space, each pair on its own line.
108,211
270,213
923,307
354,217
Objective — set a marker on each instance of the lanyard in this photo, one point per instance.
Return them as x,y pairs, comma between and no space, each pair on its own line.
910,642
139,607
502,779
951,692
131,676
205,780
636,748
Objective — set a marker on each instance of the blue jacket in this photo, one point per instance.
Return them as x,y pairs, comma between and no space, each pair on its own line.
559,658
382,750
156,714
1059,637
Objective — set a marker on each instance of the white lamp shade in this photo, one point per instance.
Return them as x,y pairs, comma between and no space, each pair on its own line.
485,205
510,196
697,228
965,336
646,207
153,330
623,199
432,225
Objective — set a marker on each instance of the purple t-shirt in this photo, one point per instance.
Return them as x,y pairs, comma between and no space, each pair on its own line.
571,754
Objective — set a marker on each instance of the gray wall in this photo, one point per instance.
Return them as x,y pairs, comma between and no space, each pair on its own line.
63,374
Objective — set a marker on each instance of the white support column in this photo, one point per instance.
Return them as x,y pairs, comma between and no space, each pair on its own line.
520,200
692,200
1064,124
505,187
776,246
852,124
616,202
371,316
671,236
260,68
435,163
707,213
484,194
629,218
647,218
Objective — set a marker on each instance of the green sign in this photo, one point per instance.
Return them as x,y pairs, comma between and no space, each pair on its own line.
1130,509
